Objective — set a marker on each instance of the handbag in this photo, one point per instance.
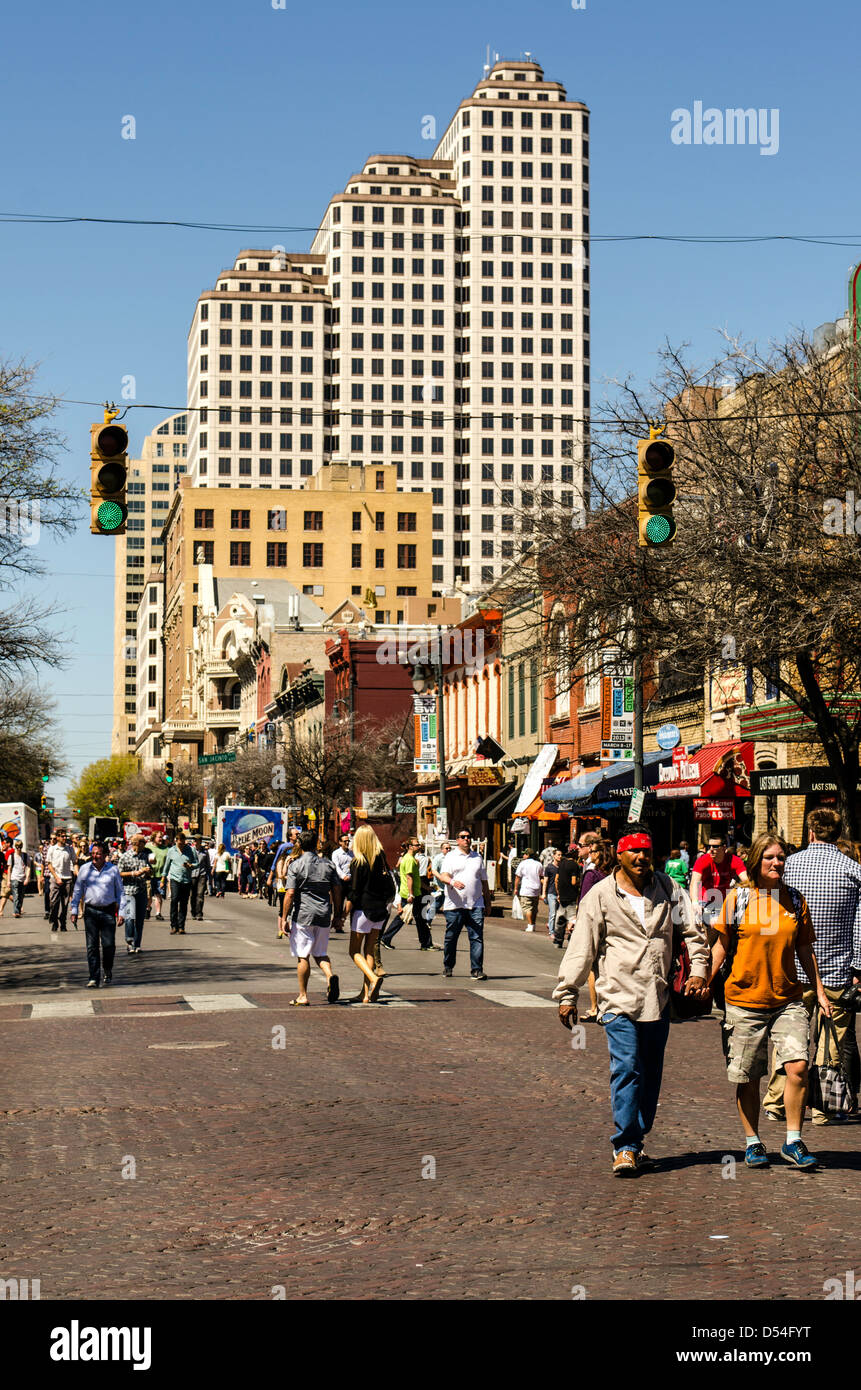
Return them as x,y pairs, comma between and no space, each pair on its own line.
684,1006
829,1088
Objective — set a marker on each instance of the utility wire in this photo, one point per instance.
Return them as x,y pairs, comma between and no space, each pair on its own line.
468,410
733,239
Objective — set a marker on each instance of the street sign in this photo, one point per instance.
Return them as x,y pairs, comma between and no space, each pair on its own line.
617,712
207,759
638,801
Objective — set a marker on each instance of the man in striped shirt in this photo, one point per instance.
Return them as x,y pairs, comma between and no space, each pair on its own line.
830,883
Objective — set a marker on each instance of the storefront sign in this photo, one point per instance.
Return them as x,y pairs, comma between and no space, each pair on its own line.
485,776
793,781
669,735
678,771
716,808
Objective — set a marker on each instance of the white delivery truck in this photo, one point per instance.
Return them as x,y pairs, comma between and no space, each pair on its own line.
22,823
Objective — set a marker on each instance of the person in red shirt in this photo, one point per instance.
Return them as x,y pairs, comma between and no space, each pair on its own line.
713,875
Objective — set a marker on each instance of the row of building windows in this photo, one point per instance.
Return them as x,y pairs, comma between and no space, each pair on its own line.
312,555
506,146
240,520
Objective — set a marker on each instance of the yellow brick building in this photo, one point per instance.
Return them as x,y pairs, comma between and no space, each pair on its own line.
347,533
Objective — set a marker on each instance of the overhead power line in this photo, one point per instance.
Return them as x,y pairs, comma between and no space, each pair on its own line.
850,239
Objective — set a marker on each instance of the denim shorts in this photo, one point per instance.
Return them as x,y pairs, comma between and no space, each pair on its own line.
747,1032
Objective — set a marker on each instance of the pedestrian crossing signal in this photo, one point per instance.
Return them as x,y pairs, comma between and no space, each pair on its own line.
656,491
109,464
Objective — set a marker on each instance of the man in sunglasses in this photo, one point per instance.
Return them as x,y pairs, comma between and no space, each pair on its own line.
467,896
713,875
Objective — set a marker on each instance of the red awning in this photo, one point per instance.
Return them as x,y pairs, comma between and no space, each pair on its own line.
725,768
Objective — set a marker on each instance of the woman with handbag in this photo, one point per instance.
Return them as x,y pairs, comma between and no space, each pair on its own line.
367,907
762,927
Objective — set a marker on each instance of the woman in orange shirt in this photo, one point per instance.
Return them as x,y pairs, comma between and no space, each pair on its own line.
761,930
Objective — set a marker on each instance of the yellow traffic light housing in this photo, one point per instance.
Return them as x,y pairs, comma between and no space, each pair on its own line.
656,491
109,465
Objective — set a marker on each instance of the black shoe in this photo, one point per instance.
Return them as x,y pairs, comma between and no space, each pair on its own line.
387,945
477,975
107,979
448,973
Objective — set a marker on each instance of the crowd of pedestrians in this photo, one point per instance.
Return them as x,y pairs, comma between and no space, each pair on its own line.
765,942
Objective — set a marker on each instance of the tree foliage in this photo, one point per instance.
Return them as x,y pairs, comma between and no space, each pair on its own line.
101,783
759,576
37,506
28,742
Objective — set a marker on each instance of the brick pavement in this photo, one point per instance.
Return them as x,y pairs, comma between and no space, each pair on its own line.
301,1167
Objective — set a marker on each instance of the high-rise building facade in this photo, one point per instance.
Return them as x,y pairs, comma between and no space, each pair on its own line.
152,480
440,322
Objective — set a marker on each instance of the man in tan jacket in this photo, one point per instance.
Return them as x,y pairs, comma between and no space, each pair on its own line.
625,928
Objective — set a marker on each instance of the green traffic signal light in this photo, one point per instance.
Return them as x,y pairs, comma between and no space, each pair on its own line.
110,516
168,773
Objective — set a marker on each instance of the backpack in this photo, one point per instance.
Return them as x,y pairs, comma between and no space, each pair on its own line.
742,898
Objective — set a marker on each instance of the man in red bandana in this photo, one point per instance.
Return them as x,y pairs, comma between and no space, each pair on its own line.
625,926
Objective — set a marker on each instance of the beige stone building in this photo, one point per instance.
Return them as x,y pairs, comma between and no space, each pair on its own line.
439,324
152,480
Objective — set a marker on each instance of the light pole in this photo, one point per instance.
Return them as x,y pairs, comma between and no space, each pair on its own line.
421,678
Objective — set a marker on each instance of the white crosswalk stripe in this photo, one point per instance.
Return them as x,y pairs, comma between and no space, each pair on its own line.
63,1008
217,1003
515,998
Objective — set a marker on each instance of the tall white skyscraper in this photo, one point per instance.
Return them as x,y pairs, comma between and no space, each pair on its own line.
440,322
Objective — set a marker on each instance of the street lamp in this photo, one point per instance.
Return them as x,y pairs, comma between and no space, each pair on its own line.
422,677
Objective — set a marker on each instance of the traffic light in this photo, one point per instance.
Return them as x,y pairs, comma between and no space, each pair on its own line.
46,776
109,464
656,490
44,805
110,805
168,773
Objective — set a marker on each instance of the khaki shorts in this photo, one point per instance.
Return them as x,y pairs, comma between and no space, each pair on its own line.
747,1032
528,904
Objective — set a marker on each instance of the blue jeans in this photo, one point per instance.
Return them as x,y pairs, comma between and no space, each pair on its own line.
134,914
636,1068
456,920
552,906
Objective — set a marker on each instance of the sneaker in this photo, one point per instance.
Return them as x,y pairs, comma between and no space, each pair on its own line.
426,948
756,1156
625,1164
158,917
776,1115
477,975
107,979
130,950
387,946
92,984
448,973
529,929
137,950
436,948
644,1163
798,1155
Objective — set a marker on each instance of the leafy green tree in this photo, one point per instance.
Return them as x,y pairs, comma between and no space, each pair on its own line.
99,784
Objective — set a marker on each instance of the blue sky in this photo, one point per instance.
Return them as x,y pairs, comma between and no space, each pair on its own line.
249,114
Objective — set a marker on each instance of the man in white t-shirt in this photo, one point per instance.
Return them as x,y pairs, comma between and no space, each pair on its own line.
527,886
467,895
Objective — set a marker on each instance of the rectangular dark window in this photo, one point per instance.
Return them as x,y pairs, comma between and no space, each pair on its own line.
312,554
406,557
407,521
313,521
203,519
240,520
356,560
276,553
240,553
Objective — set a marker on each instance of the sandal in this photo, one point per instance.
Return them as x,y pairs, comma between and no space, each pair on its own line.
299,1003
375,990
333,990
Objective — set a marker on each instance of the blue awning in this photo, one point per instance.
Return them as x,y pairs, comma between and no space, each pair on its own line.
607,788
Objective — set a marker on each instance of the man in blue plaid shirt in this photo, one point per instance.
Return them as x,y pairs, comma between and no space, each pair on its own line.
831,885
